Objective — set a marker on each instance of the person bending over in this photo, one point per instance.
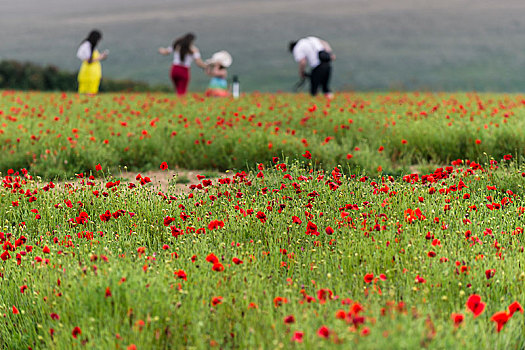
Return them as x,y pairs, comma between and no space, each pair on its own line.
317,54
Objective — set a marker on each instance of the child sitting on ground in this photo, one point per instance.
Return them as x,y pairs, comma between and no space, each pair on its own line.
217,64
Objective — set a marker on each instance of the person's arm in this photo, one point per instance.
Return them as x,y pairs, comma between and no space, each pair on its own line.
302,67
100,57
197,58
199,62
328,49
165,50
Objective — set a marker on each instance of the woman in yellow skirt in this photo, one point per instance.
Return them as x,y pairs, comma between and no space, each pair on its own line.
91,70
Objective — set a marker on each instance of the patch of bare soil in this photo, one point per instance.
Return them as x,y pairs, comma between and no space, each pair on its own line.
178,180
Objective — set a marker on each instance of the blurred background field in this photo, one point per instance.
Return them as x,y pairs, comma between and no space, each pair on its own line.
61,134
451,45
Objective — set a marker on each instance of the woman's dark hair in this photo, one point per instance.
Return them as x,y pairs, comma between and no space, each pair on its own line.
183,44
291,45
93,38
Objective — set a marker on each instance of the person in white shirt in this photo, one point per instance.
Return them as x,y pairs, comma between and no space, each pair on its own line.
90,72
184,53
317,54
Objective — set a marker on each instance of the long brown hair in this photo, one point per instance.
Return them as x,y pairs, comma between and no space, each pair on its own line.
183,44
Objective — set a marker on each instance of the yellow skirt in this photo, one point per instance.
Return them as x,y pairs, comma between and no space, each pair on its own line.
89,76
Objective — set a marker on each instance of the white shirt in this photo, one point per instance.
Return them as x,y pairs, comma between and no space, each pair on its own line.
308,48
187,59
84,51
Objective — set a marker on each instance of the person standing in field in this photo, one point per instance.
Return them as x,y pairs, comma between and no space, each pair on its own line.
90,72
184,53
318,55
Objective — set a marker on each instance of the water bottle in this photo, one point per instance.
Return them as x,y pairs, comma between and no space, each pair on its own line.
235,87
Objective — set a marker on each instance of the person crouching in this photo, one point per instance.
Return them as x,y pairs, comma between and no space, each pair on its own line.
217,70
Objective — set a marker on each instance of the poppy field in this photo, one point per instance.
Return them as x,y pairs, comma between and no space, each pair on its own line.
319,235
60,134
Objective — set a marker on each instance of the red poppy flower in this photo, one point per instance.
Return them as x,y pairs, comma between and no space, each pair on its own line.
46,250
216,301
500,318
215,224
23,289
181,274
490,273
457,318
515,306
108,292
15,311
237,261
5,255
54,316
311,229
76,331
475,305
329,230
106,216
289,319
278,301
168,220
298,337
369,277
307,155
296,220
420,279
212,258
98,167
365,331
261,216
218,267
163,166
323,332
324,294
340,314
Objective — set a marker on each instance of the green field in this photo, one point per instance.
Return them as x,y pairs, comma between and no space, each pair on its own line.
370,221
59,134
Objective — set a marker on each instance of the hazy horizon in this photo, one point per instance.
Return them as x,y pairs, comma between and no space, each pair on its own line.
380,45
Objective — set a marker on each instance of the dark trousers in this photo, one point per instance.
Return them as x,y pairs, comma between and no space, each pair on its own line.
320,75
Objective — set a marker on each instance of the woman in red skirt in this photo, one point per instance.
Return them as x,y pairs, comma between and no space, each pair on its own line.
184,53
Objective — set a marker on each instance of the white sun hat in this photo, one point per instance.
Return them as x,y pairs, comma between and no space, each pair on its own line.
221,57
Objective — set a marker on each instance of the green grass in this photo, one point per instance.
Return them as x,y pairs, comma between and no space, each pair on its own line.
116,280
378,254
59,135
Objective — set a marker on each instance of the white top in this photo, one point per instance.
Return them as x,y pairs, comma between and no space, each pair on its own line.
187,59
84,51
308,48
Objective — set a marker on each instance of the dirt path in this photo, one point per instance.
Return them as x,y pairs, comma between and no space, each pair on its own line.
179,180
